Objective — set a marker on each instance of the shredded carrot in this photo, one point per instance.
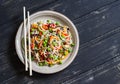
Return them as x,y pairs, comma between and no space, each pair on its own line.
51,37
65,34
32,40
59,47
32,46
40,33
40,44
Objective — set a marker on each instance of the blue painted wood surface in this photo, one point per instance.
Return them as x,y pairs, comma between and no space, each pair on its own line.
98,23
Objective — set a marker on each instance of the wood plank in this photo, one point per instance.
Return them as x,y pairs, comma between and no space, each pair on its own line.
97,24
81,27
94,56
83,7
10,65
108,73
86,60
12,10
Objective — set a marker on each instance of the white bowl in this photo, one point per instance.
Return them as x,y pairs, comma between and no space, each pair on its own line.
43,15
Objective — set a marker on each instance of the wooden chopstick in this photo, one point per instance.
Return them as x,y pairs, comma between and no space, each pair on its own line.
29,42
25,42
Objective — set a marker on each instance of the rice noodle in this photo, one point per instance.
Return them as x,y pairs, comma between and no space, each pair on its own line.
52,42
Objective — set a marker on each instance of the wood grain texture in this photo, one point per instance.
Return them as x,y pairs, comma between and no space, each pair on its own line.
97,22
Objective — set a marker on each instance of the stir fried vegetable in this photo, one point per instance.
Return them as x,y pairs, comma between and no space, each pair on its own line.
51,42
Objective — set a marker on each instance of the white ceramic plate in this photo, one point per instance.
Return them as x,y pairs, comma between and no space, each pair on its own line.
55,16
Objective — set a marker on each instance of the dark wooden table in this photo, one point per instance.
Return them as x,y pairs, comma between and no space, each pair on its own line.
98,24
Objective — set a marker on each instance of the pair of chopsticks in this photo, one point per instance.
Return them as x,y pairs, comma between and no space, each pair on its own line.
27,27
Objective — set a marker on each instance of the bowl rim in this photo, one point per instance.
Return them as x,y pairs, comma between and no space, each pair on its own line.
73,27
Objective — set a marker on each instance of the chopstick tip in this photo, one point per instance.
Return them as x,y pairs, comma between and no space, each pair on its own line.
28,12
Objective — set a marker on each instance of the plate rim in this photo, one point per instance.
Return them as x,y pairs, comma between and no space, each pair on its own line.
65,18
